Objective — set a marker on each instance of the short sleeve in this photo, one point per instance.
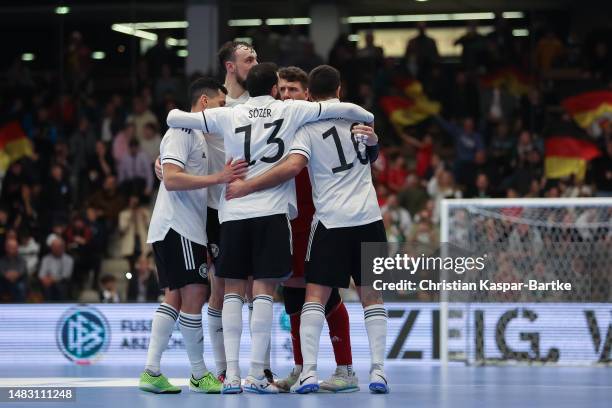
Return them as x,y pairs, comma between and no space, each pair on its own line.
301,144
175,146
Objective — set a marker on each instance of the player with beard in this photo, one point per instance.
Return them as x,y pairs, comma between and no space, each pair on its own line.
293,84
236,58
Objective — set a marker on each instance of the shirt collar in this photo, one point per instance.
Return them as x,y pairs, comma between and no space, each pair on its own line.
258,100
333,100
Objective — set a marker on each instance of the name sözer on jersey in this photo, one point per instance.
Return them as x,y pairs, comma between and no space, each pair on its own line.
260,113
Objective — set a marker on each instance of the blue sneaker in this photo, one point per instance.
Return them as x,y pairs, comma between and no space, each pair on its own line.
378,382
307,383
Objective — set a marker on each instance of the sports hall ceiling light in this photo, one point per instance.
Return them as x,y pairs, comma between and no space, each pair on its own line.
520,32
62,10
98,55
176,42
429,17
182,53
128,29
288,21
159,25
27,56
245,22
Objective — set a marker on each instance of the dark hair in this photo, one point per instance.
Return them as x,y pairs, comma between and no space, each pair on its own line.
133,142
261,79
294,74
107,279
227,50
205,86
323,81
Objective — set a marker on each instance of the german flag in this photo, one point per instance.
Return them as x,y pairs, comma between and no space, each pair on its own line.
410,109
512,79
566,155
14,144
589,107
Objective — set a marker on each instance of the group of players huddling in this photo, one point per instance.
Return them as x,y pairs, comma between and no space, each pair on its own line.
253,154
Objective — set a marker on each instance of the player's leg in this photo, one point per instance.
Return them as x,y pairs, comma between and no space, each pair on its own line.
164,320
344,378
215,323
234,266
294,295
375,314
311,325
215,303
232,327
271,243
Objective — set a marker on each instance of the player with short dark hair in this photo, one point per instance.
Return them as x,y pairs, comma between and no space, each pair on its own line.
177,233
338,153
255,230
293,84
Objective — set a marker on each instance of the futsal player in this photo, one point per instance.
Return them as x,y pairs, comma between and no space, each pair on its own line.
347,214
177,233
255,230
293,84
236,58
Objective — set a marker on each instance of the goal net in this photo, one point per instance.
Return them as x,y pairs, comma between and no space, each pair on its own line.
545,244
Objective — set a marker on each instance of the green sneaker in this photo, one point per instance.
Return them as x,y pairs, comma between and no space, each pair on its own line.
209,384
157,384
341,381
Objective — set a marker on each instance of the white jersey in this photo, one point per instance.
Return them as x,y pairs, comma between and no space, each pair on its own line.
216,154
216,162
231,102
340,174
183,211
261,131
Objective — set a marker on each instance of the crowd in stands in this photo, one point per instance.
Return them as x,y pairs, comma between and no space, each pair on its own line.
85,192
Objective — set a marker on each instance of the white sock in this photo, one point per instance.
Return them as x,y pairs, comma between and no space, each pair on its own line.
164,320
215,332
267,363
311,325
261,326
191,329
232,331
375,317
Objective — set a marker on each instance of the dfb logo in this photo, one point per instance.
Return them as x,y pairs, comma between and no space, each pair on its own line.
83,334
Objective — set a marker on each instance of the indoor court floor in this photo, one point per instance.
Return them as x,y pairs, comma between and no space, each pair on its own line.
458,386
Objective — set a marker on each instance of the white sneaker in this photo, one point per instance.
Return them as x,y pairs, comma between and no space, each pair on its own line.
259,385
231,385
341,381
378,382
306,383
286,383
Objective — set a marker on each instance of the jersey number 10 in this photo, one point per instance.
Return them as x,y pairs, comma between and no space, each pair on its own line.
343,163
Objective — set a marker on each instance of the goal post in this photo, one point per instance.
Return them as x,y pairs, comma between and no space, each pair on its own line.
565,240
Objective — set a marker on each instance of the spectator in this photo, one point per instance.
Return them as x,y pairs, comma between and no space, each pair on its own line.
548,51
150,141
13,273
135,171
424,152
140,116
481,188
99,166
98,243
412,196
166,84
421,53
601,172
82,147
467,143
108,290
57,197
396,175
133,226
55,272
78,239
400,217
442,185
4,226
29,249
121,142
472,46
464,99
109,201
143,286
